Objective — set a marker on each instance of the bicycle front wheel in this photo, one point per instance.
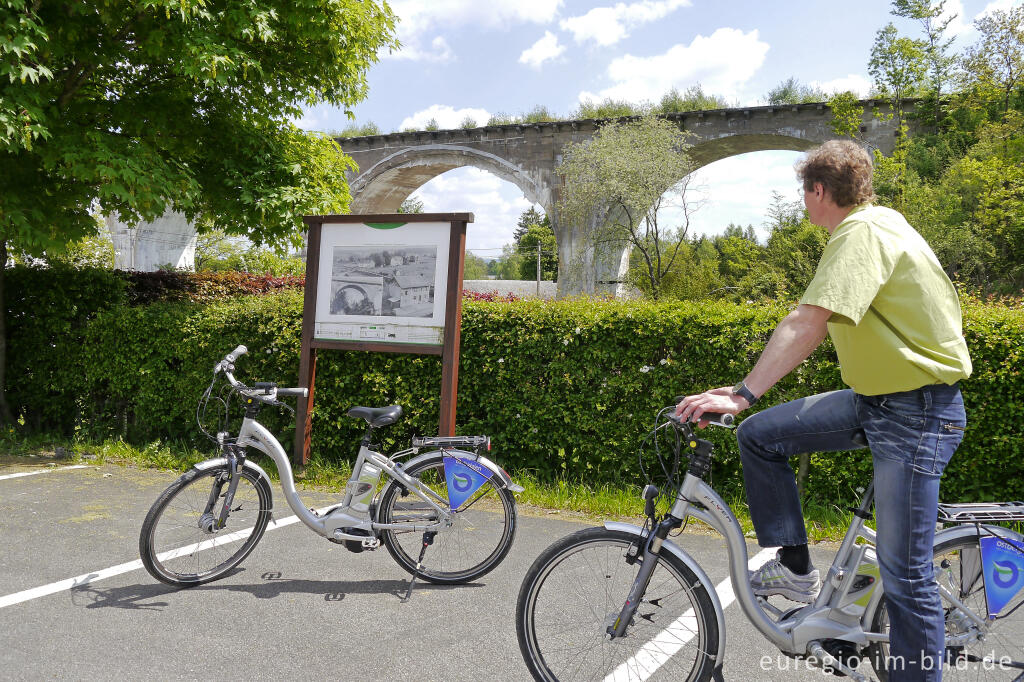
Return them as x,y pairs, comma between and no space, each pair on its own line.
992,651
481,534
179,544
576,589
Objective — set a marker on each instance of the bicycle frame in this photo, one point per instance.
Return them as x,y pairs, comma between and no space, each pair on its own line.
255,435
797,633
819,620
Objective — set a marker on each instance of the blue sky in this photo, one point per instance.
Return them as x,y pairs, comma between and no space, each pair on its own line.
481,57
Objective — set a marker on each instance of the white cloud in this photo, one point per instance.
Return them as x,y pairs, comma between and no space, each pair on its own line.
853,82
544,49
721,63
962,25
439,51
1004,5
954,9
447,117
739,190
608,25
417,16
312,120
496,206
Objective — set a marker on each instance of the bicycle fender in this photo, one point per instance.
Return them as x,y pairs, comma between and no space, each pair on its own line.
251,466
682,555
497,473
968,530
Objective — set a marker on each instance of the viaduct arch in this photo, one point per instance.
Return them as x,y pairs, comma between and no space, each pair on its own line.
392,167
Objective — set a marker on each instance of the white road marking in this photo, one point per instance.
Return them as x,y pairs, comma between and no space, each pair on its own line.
44,471
669,641
95,576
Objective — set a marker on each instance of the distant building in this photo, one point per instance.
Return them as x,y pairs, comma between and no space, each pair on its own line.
411,295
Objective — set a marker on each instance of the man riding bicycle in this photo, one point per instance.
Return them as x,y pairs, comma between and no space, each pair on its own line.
895,321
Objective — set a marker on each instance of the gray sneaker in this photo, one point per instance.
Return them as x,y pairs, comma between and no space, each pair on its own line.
774,578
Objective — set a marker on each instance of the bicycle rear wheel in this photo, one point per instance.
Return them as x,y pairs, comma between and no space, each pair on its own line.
994,651
576,589
481,535
178,543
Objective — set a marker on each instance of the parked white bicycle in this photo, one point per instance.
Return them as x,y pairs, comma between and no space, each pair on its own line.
449,499
620,602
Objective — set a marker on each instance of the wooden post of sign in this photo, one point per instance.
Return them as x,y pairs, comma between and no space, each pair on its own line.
452,331
448,350
307,358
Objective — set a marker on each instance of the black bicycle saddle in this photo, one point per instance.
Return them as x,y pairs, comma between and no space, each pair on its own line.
377,416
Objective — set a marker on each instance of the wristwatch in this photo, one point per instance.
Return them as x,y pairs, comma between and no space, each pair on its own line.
741,390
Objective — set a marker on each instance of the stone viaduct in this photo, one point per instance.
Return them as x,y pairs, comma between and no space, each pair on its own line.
392,167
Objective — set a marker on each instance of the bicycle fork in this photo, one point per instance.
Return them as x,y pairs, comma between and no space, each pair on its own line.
646,552
214,519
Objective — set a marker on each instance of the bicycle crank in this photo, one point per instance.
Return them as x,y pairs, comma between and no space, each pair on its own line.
835,657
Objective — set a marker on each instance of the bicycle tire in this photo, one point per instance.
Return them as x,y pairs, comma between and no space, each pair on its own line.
576,589
174,546
957,561
472,547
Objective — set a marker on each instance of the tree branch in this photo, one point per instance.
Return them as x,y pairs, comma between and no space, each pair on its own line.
80,73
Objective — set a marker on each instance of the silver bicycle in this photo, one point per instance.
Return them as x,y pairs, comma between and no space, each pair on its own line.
620,602
448,499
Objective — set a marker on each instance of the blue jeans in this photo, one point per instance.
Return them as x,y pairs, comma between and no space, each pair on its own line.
912,436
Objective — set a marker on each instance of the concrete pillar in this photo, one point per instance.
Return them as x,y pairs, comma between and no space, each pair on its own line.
170,240
585,267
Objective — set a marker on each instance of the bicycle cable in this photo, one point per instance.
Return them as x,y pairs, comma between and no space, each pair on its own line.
224,409
203,406
667,455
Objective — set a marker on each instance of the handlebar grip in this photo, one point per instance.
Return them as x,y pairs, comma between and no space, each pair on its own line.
236,353
718,418
296,392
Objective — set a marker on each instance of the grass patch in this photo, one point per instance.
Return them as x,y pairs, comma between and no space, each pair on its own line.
824,523
593,502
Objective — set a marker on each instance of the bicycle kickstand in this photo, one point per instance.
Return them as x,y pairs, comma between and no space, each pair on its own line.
428,539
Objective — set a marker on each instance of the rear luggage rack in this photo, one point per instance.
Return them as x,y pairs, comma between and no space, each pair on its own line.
474,442
981,512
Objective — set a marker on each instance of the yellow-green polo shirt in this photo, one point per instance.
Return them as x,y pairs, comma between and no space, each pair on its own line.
896,321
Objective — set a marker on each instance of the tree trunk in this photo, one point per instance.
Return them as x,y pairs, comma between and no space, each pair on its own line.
5,411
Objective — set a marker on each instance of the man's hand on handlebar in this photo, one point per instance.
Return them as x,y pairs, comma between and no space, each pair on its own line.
721,400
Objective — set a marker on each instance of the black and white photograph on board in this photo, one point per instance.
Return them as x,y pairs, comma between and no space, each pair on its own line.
396,281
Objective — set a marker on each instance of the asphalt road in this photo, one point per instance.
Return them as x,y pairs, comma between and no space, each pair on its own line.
73,605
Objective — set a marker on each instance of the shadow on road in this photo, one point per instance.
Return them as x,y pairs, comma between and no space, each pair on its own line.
147,597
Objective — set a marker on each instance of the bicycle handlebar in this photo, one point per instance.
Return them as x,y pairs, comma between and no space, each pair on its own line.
716,418
266,392
235,354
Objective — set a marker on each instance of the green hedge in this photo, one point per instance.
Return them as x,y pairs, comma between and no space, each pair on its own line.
47,312
565,389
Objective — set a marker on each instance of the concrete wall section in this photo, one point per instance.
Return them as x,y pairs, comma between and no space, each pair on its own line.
520,288
167,241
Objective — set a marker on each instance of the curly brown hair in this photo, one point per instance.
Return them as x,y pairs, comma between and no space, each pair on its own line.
843,168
